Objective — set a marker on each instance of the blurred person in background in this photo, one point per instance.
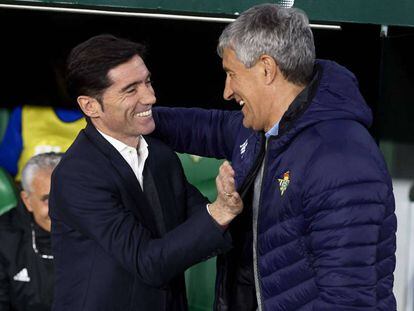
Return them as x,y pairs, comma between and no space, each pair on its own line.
26,261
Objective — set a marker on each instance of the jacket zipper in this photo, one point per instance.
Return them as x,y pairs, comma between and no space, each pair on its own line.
242,190
255,235
256,225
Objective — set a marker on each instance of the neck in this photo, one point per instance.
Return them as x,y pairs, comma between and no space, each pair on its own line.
283,94
131,141
41,227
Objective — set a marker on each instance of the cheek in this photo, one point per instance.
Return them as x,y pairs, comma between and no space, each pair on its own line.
235,86
45,210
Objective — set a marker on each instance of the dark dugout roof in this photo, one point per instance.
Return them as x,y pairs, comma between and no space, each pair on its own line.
382,12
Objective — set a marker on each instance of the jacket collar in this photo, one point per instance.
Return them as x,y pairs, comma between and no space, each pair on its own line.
118,162
332,94
145,211
301,102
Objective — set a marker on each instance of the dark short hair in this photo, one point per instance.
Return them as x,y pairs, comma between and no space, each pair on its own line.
89,62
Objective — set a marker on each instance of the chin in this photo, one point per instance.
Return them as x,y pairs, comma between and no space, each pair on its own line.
247,124
47,226
148,129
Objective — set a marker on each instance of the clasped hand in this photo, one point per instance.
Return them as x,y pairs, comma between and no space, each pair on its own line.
228,203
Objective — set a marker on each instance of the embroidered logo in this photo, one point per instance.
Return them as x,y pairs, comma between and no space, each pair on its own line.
284,182
243,147
22,276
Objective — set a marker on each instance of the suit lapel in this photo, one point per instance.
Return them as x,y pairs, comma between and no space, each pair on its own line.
151,193
164,204
130,182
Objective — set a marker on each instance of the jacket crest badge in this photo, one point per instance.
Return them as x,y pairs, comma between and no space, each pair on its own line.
284,182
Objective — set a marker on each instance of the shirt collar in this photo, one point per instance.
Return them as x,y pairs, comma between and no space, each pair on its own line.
120,146
274,131
143,146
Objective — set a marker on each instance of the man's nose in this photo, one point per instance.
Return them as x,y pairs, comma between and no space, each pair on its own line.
148,95
228,91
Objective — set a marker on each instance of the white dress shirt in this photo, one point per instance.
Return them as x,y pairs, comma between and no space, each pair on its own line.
135,158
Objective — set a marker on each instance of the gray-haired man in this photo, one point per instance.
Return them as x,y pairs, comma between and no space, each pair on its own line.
318,229
26,261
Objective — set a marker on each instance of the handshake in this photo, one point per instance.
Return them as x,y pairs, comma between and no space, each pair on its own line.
228,203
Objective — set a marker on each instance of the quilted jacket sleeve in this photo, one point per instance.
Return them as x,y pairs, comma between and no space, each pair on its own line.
349,208
209,133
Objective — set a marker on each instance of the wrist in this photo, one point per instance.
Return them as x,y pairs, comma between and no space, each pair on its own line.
219,216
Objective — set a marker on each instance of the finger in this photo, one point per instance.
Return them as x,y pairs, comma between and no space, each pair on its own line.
225,181
229,184
235,197
226,175
222,178
222,191
219,184
235,202
226,169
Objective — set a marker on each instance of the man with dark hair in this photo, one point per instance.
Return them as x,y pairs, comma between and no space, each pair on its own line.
319,208
26,261
125,222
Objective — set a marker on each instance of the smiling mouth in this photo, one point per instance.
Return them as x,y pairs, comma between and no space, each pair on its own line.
147,113
241,103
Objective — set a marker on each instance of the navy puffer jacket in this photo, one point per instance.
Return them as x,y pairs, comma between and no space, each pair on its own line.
325,229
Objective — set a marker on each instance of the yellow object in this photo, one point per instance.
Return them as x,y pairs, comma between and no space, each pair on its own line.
43,131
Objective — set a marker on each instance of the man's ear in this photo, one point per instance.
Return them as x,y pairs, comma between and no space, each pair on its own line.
89,105
270,68
25,198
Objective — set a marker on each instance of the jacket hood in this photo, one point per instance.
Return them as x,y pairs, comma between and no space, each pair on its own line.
333,94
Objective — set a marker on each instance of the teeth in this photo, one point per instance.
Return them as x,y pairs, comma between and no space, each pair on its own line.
145,113
241,103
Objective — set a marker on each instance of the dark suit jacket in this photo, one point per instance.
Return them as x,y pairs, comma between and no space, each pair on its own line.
117,247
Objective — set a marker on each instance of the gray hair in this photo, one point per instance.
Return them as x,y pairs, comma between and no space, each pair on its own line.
282,33
41,161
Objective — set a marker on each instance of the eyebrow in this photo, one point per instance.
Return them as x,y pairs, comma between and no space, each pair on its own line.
135,83
226,69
